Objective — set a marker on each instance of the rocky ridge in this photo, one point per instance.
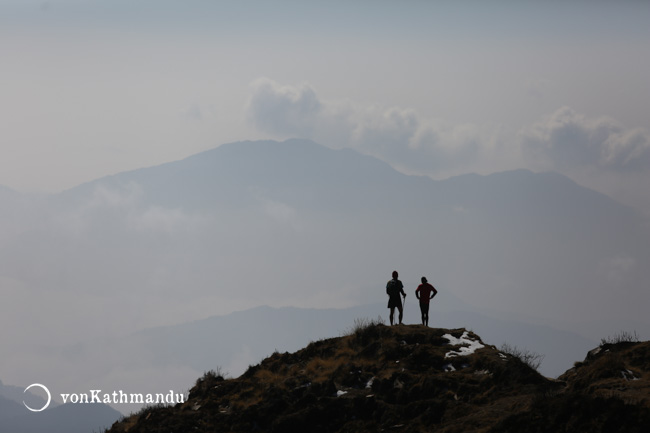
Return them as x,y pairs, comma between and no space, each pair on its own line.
413,379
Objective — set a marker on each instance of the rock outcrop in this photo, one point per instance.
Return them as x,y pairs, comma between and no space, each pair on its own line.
413,379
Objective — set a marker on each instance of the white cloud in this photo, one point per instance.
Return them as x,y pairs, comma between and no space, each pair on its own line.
110,197
387,127
567,139
116,206
599,153
283,110
401,136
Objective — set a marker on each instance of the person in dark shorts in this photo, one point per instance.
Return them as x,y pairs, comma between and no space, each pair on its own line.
425,292
395,288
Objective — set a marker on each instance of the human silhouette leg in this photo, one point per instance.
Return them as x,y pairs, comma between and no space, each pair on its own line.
422,314
424,309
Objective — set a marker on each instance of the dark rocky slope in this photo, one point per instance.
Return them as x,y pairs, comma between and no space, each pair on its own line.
413,379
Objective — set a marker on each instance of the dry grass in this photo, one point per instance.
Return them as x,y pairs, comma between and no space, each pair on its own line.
620,337
395,380
528,357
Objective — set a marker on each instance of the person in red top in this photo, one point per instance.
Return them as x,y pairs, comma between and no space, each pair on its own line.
425,292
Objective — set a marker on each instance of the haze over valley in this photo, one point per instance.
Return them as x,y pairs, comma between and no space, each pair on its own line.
191,187
294,223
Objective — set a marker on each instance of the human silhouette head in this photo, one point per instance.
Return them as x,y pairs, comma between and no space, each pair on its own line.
424,279
394,275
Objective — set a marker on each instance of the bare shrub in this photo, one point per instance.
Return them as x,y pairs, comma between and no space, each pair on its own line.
528,357
210,376
621,337
362,324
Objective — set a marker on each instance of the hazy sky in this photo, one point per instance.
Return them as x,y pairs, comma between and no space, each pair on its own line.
90,88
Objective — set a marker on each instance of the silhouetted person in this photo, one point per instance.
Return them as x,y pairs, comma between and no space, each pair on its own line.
425,292
395,288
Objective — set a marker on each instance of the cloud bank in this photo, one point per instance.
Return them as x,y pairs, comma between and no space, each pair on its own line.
567,139
284,109
398,135
598,152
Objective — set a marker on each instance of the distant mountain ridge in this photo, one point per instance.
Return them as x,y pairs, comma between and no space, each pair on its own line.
505,233
230,170
535,256
66,418
240,332
312,178
18,395
57,418
296,171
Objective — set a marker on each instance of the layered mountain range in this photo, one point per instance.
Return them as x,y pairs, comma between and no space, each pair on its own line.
123,279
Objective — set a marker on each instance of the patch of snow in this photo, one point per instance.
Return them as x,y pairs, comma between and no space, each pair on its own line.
628,375
448,367
369,384
469,346
594,352
340,393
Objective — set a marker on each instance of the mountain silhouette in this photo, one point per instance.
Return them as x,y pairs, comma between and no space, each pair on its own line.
412,378
184,344
534,257
65,418
306,174
68,418
297,172
569,251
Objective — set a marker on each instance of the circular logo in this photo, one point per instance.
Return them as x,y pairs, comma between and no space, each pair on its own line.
47,391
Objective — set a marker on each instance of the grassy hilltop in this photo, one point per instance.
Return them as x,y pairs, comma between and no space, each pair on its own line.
414,379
